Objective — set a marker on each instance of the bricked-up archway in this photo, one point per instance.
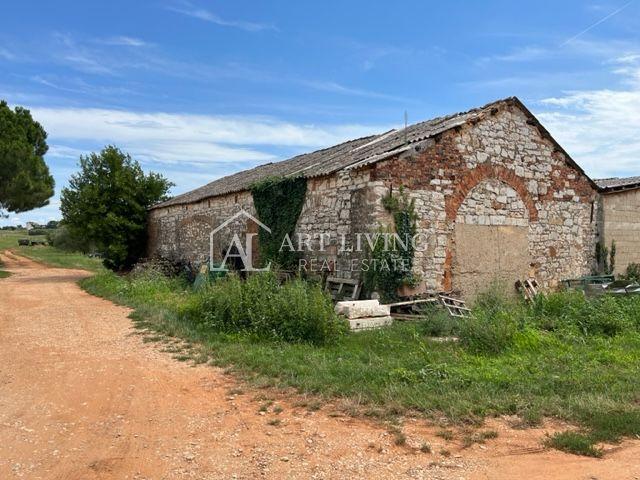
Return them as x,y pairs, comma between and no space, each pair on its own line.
483,172
467,183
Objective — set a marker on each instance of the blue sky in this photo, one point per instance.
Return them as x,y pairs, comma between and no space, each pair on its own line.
200,89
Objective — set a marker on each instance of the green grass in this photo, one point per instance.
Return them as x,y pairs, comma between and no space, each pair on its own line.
589,379
9,238
575,442
59,258
48,255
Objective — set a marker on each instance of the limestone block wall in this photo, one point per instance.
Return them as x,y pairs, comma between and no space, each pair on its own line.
182,232
334,206
621,214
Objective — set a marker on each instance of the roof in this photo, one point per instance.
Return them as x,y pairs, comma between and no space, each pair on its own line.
351,154
615,184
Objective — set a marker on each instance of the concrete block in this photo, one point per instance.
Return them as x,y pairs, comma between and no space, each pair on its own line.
362,309
369,323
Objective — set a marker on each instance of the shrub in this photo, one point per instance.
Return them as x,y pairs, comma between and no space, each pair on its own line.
295,311
37,231
438,323
107,202
62,239
488,332
633,272
606,315
603,316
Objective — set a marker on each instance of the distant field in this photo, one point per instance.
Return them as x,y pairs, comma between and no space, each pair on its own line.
9,238
47,255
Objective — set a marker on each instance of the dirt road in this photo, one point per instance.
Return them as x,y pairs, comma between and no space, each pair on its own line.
83,397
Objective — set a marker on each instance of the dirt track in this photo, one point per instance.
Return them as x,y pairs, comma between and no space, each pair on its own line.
82,397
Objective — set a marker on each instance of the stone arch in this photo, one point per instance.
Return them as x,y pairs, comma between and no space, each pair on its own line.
483,172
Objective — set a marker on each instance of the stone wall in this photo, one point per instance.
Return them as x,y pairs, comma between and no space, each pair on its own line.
182,232
525,183
622,224
334,206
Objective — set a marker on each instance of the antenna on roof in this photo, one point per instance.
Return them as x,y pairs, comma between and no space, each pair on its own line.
406,118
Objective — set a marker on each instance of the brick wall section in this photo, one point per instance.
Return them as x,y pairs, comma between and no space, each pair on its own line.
622,224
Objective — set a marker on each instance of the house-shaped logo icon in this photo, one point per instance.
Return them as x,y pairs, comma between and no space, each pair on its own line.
236,249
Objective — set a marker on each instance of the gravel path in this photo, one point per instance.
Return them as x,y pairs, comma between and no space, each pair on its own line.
83,397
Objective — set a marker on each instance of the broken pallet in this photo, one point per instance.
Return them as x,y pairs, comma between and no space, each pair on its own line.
528,288
340,288
455,306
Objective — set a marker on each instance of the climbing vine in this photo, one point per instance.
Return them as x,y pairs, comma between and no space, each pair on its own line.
278,202
391,263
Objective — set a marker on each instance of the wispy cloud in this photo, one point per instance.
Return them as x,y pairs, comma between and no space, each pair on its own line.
595,24
334,87
124,41
6,54
522,54
191,10
69,52
74,84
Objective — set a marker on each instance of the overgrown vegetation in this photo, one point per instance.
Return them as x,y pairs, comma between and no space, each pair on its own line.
605,258
278,202
62,239
633,272
574,442
257,309
562,356
391,264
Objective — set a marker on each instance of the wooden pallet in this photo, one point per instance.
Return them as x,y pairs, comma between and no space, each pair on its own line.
341,288
528,288
455,306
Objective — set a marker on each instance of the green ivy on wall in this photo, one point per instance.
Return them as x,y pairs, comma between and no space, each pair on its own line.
391,268
278,202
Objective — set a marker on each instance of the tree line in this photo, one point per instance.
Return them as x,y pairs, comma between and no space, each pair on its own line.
105,205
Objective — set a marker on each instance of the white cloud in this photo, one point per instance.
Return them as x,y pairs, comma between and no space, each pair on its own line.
599,128
186,138
190,10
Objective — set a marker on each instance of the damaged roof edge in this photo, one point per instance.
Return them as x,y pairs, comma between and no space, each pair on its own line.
618,184
355,154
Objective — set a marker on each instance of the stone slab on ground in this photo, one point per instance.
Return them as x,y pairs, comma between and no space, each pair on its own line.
369,323
362,309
